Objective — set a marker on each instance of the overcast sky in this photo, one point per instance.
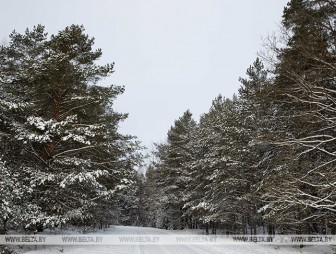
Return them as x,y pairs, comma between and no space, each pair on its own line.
171,55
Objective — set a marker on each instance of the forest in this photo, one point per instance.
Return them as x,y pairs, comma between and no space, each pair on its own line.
262,161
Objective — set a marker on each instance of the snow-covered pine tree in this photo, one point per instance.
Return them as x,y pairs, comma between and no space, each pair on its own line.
255,122
132,202
304,95
68,148
208,148
152,206
220,170
14,193
172,173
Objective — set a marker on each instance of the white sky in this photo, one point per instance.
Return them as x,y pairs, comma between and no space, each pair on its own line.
171,55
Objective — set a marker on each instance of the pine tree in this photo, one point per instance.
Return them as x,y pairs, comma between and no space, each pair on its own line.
172,171
218,179
256,124
152,194
304,96
71,153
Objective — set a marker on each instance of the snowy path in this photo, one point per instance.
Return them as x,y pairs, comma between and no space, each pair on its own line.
177,249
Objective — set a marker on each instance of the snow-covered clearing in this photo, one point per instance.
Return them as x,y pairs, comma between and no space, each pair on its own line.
168,249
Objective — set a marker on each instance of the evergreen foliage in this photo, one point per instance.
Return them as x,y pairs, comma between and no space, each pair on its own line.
59,130
266,157
261,160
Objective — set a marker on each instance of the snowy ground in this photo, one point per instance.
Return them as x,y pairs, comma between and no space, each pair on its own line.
163,249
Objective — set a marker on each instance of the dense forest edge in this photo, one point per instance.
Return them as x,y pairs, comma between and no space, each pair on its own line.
262,161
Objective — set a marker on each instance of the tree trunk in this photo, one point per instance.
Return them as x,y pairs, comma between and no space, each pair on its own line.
207,228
